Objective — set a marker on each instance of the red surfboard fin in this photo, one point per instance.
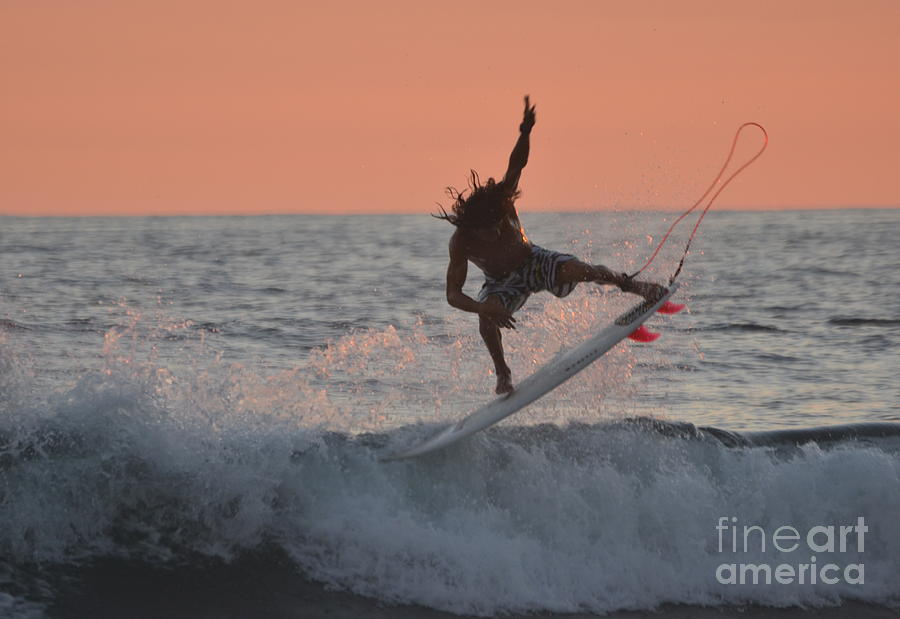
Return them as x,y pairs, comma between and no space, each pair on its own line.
670,308
643,334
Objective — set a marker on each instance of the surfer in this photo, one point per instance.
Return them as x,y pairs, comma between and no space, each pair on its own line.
489,234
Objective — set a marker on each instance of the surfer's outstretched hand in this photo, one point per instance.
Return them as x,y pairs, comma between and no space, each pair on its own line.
528,117
498,315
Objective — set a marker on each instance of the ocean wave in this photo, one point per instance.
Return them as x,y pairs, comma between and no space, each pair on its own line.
859,322
579,518
12,325
743,327
207,462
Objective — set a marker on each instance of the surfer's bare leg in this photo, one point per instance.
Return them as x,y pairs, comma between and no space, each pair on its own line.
574,271
490,333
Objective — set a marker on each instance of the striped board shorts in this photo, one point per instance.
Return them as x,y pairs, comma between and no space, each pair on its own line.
536,274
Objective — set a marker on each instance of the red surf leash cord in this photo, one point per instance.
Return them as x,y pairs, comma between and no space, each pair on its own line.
642,334
709,204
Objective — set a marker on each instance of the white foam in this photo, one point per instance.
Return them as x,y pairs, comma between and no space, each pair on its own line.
212,458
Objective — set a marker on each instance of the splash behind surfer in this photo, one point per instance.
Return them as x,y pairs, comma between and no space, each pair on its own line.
489,234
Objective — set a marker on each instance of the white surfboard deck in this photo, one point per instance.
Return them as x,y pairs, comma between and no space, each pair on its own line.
544,380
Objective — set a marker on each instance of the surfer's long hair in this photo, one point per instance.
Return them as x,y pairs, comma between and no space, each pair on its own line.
484,207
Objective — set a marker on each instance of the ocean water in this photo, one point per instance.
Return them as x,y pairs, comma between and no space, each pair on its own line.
180,395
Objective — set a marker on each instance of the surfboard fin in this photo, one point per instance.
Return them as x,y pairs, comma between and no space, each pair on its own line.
643,334
670,308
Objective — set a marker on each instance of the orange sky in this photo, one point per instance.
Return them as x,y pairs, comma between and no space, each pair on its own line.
194,106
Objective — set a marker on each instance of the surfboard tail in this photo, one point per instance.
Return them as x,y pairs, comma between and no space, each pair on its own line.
643,334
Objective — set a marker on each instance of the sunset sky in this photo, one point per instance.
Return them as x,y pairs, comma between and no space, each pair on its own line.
217,107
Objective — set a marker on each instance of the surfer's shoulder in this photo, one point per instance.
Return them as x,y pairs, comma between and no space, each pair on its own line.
459,241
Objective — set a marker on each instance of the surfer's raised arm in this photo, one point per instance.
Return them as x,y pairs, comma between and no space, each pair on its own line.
519,157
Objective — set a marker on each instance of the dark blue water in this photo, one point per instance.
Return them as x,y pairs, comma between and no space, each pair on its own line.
175,388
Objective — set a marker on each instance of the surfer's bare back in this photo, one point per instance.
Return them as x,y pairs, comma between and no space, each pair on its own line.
489,234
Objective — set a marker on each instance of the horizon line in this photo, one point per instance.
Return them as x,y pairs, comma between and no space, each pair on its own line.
351,213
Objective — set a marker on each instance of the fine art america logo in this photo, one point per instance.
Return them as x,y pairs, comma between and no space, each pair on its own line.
820,539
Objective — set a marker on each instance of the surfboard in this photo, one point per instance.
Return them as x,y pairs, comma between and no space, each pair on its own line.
557,371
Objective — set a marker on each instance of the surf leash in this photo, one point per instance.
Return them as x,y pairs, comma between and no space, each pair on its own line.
712,199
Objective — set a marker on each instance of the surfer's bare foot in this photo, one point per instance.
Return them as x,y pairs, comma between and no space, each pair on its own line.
504,383
651,292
